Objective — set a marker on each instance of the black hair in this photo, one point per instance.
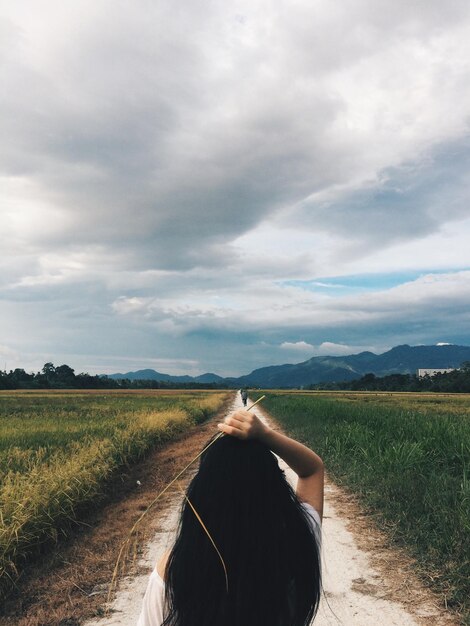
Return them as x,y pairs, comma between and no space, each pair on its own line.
265,538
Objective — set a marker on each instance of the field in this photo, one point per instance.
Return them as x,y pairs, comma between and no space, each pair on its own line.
407,457
58,449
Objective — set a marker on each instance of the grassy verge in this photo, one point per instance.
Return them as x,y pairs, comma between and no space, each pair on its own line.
58,450
411,465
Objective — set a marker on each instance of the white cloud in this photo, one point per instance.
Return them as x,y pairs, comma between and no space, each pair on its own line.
301,346
329,348
276,307
326,348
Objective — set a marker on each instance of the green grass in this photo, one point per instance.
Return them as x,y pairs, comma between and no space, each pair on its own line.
407,458
57,450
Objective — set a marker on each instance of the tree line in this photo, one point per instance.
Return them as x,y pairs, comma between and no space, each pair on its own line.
64,377
457,381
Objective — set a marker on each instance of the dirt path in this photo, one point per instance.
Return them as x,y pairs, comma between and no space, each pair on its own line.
365,583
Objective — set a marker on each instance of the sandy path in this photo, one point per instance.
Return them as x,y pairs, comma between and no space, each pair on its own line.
356,592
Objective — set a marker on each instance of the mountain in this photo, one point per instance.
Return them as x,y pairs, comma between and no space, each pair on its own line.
150,374
209,378
402,359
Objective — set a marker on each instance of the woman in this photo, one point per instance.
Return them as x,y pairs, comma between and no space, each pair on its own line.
247,547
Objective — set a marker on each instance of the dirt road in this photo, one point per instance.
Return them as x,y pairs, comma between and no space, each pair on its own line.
365,583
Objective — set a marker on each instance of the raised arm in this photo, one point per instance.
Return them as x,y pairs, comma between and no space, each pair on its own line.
303,461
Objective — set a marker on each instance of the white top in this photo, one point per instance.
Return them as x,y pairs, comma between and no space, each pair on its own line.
152,607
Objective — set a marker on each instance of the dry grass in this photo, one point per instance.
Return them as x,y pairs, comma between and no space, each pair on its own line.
71,582
44,485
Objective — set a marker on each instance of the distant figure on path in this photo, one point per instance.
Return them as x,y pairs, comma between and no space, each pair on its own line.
244,395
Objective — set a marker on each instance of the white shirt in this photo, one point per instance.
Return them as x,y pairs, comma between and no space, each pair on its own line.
152,607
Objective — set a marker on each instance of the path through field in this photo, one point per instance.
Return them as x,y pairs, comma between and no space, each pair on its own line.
365,583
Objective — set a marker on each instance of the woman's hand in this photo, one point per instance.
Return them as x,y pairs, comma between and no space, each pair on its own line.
243,425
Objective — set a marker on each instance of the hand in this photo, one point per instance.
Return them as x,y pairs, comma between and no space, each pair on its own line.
243,425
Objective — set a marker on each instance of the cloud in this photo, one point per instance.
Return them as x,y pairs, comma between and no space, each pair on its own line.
326,348
233,335
142,140
404,204
301,346
278,308
167,171
329,348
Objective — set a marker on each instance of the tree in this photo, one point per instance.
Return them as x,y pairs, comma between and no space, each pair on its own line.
65,374
49,371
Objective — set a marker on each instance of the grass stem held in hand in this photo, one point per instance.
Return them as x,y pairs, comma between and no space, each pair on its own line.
126,542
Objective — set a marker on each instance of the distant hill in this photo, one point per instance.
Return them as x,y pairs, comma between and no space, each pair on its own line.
150,374
402,359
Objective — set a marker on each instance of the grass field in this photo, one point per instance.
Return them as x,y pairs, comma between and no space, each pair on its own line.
58,449
407,456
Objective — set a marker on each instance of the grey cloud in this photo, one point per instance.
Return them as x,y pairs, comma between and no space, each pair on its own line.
406,203
136,133
181,328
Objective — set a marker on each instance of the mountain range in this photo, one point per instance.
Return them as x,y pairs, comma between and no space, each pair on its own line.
150,374
403,359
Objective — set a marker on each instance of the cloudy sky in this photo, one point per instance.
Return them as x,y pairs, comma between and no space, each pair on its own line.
213,186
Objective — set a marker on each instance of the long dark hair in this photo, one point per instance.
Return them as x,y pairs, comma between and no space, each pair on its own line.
263,535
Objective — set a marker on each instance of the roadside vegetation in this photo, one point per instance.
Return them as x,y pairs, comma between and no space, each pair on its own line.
407,457
58,449
457,381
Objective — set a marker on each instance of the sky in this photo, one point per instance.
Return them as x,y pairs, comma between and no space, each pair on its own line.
213,186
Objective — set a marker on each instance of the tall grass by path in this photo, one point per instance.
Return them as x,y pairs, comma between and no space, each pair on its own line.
57,451
412,466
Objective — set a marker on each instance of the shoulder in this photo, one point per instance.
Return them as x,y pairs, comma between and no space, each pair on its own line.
152,610
315,520
161,565
312,512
